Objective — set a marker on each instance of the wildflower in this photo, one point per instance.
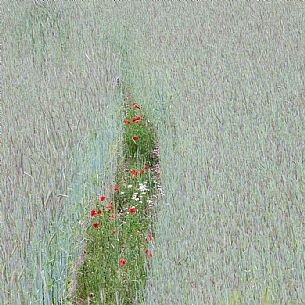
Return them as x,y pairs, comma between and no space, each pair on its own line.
116,187
136,119
146,251
122,261
150,236
135,138
135,105
95,225
134,171
132,210
146,166
127,121
129,186
142,171
110,207
112,215
142,187
150,254
102,198
92,212
135,197
113,231
122,193
99,212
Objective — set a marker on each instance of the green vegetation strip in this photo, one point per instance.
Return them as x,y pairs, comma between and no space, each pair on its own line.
120,234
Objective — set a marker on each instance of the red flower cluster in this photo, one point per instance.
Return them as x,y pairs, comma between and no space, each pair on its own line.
134,171
142,171
146,251
93,212
132,209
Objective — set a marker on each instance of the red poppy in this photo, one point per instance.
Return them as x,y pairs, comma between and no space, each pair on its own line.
146,251
116,187
150,254
112,215
150,236
146,166
110,206
135,138
95,225
136,119
142,171
102,198
99,212
132,210
127,121
135,105
134,171
122,261
93,212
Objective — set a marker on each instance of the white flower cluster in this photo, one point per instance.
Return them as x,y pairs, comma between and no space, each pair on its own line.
135,197
143,187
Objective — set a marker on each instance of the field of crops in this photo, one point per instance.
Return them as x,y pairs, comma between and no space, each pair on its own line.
223,83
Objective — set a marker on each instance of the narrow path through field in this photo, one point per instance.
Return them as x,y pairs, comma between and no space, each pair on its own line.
120,230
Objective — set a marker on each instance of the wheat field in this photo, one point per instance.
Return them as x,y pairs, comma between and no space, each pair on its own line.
224,84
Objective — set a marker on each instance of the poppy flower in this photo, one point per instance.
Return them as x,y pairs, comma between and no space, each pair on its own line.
95,225
110,206
142,171
135,138
112,215
134,171
113,231
146,251
116,187
132,210
122,261
102,198
146,166
150,254
150,236
135,105
136,119
93,212
127,121
99,212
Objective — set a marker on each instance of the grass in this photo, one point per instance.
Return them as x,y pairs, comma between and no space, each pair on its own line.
117,233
